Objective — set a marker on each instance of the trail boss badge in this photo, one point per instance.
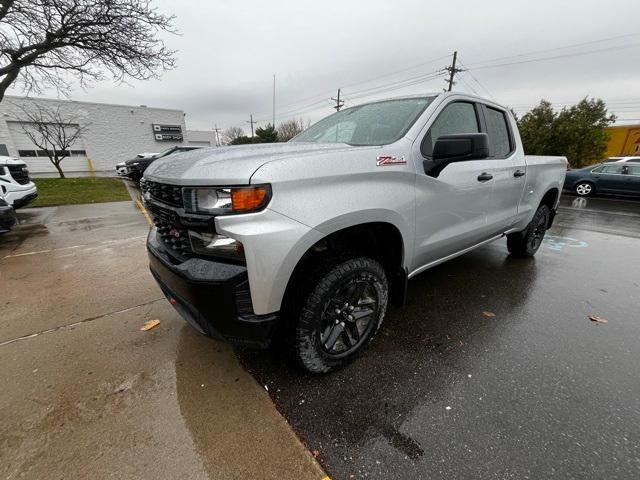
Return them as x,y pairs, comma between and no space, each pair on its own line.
384,160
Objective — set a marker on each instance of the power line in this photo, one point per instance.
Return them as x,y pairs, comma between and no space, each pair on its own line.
568,55
299,107
468,85
555,49
413,67
473,77
316,97
398,85
370,90
364,93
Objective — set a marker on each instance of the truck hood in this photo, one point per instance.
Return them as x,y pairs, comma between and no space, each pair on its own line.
228,165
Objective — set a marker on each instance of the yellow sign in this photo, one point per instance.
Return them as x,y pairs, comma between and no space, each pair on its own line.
624,141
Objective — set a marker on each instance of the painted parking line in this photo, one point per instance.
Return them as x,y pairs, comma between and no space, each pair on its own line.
144,212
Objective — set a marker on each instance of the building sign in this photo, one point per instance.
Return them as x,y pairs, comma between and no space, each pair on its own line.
167,132
624,140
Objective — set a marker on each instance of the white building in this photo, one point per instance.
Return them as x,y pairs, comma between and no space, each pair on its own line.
114,133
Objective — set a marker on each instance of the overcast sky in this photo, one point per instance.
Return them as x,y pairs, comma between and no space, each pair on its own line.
229,50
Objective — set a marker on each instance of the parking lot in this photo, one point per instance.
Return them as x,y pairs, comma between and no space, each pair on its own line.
492,370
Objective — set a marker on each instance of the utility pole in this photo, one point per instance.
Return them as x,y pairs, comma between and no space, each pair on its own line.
274,102
217,130
251,122
452,71
339,103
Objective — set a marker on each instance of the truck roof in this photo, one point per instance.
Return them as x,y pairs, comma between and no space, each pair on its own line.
436,94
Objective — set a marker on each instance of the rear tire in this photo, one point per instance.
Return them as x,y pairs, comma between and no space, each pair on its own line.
584,189
526,243
341,312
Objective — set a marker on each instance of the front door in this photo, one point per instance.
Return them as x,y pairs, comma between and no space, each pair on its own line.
451,209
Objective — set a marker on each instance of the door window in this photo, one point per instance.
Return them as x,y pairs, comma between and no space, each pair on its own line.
498,131
457,117
612,169
634,170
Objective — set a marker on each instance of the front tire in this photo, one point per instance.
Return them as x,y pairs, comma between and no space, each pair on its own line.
526,243
341,313
584,189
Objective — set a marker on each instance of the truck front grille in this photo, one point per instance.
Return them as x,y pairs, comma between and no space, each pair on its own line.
169,194
20,173
175,238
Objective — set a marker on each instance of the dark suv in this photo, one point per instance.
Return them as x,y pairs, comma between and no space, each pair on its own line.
137,166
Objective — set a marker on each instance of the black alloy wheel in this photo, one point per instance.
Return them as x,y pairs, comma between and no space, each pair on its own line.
341,309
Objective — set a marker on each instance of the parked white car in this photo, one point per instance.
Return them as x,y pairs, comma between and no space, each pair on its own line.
16,187
310,239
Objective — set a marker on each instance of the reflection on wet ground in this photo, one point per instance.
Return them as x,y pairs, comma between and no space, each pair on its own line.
446,391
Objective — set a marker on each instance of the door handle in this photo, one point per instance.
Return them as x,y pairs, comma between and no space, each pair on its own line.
519,173
484,177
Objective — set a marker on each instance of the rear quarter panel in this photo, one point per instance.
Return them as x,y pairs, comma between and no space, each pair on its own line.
543,174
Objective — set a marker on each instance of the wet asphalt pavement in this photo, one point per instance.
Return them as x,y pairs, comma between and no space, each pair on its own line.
84,393
493,370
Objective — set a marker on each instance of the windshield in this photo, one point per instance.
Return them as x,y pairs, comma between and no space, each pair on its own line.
377,123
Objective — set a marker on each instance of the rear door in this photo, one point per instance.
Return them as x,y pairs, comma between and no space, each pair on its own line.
633,179
508,169
611,178
451,209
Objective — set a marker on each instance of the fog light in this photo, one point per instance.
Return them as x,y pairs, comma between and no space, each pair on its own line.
216,245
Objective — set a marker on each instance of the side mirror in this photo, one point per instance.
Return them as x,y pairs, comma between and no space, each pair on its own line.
457,148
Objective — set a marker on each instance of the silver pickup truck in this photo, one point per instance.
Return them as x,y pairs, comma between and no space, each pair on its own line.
308,241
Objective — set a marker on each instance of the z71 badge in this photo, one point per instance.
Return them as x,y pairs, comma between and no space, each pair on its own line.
384,160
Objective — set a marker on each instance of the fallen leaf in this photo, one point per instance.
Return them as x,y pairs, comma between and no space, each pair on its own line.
149,324
596,318
316,453
489,314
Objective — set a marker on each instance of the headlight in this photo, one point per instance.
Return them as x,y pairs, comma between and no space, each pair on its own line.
223,201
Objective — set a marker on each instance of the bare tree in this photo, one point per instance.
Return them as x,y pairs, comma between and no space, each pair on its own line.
52,132
231,134
289,129
45,43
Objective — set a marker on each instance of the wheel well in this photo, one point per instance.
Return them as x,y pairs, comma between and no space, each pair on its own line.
378,240
584,181
550,198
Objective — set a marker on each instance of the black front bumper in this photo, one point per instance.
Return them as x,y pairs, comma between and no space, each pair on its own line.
7,218
212,297
25,200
